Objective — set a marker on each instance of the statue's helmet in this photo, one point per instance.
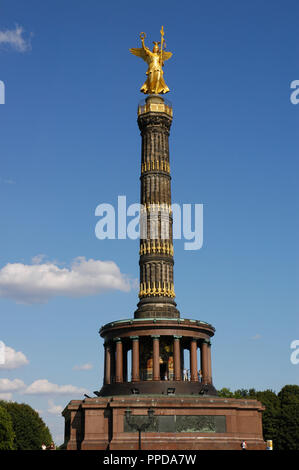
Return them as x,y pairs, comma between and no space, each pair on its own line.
156,46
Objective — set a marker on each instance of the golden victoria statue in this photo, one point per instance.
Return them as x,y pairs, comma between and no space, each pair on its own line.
155,59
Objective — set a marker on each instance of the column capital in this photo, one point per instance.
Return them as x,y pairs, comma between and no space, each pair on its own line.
177,337
155,336
134,338
117,340
194,340
207,341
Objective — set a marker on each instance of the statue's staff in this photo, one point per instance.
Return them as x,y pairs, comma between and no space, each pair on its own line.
162,40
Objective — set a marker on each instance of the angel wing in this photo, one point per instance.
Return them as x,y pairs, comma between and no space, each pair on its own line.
166,55
140,52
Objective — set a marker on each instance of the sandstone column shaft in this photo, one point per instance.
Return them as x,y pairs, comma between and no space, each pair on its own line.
193,360
135,359
156,358
209,364
125,364
204,361
119,362
107,364
177,358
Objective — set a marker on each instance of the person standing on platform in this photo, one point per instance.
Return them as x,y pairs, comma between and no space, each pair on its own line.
244,445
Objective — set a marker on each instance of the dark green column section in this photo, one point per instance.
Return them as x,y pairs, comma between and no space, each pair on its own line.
156,248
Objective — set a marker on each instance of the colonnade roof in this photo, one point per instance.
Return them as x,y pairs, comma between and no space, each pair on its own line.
174,321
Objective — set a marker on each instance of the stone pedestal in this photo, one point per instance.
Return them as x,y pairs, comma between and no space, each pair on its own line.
180,423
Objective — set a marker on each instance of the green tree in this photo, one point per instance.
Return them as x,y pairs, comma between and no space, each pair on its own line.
30,430
252,393
244,393
271,414
7,434
225,393
288,432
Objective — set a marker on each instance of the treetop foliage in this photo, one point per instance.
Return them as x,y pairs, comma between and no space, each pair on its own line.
30,431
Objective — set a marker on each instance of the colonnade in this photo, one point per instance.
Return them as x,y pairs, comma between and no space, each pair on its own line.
116,368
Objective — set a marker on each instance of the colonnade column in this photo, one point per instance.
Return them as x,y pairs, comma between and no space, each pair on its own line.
209,363
125,363
177,357
107,377
119,361
204,358
193,360
156,357
135,358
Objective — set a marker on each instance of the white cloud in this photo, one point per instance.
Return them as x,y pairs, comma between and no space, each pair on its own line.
44,387
54,409
15,385
14,39
5,396
12,359
37,283
86,366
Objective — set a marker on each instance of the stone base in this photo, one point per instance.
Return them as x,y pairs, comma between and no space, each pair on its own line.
180,423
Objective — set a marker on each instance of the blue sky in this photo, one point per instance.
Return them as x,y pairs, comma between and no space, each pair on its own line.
69,141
